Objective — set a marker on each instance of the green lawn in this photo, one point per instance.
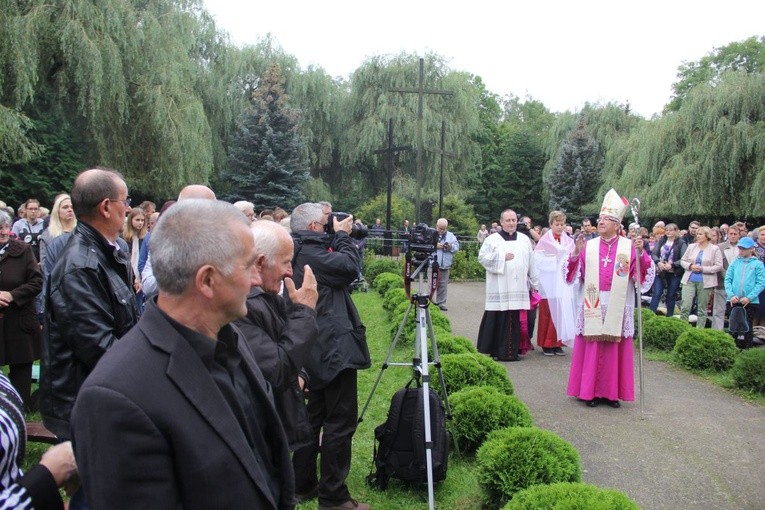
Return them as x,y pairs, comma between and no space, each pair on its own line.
458,491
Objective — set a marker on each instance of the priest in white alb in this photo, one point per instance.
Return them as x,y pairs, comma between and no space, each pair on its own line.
510,275
602,368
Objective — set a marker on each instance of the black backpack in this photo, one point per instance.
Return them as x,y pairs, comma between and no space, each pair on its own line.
400,441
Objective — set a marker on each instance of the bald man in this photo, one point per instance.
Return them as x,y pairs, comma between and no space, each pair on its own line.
148,282
90,301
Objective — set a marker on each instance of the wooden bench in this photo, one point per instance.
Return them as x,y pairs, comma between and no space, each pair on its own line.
37,432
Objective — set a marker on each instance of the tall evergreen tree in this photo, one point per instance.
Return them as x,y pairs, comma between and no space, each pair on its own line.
575,180
266,158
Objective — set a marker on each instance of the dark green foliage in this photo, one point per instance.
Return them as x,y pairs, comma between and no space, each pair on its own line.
375,266
474,369
570,496
647,314
748,371
266,158
574,181
705,349
437,317
662,332
450,344
386,281
460,215
477,411
393,298
515,458
465,266
50,171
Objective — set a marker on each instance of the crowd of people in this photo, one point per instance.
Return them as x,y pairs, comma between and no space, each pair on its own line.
180,350
579,285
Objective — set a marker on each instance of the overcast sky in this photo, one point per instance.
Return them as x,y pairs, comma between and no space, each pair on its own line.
562,53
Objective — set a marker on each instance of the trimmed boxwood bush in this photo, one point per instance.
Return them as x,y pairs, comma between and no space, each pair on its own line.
570,496
437,317
647,314
450,344
748,371
515,458
473,369
385,281
384,265
479,410
705,349
393,298
662,332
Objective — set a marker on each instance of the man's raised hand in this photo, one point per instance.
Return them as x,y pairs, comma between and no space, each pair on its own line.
306,295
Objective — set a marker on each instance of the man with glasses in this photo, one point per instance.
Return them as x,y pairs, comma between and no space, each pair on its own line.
339,352
90,302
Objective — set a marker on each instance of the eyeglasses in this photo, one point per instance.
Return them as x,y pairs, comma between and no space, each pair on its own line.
125,202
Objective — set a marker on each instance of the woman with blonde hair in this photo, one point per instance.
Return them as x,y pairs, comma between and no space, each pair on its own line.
62,220
701,261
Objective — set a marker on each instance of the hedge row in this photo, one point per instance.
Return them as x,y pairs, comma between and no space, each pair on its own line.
488,419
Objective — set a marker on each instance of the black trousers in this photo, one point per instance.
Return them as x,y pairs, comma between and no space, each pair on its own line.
332,411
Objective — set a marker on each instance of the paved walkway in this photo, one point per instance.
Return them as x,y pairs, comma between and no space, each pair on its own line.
696,446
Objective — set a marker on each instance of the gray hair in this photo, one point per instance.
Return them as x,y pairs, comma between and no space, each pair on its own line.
5,219
268,237
305,214
192,233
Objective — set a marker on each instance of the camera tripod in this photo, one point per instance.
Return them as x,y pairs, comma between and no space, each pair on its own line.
420,363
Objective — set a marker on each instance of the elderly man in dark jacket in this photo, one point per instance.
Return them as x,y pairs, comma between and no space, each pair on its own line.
90,300
280,333
339,351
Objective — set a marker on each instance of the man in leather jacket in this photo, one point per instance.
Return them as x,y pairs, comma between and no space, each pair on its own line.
90,301
340,350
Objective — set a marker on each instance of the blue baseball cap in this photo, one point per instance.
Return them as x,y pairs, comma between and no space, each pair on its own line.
746,243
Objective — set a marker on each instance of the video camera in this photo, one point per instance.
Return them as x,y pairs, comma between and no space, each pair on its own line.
358,231
422,239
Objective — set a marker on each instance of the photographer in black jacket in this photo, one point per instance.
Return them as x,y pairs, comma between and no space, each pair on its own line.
339,351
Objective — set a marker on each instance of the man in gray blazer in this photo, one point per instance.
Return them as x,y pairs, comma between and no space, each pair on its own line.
177,414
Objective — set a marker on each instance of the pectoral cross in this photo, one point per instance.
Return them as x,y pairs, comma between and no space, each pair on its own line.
606,260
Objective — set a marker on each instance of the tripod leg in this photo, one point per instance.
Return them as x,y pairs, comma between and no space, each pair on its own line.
386,363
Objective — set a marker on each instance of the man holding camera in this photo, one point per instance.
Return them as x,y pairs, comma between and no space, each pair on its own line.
340,350
447,245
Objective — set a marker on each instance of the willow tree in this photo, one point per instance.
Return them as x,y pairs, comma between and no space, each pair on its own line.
372,104
125,73
706,159
321,100
746,56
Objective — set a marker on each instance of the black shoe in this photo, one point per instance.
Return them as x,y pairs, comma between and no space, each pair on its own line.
547,351
558,351
443,308
593,403
614,403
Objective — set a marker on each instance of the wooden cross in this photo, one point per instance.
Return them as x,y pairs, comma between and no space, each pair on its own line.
390,151
442,152
420,91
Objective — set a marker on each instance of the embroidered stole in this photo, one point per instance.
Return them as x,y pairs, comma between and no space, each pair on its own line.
596,328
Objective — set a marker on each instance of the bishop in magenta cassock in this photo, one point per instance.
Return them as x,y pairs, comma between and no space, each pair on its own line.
602,362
